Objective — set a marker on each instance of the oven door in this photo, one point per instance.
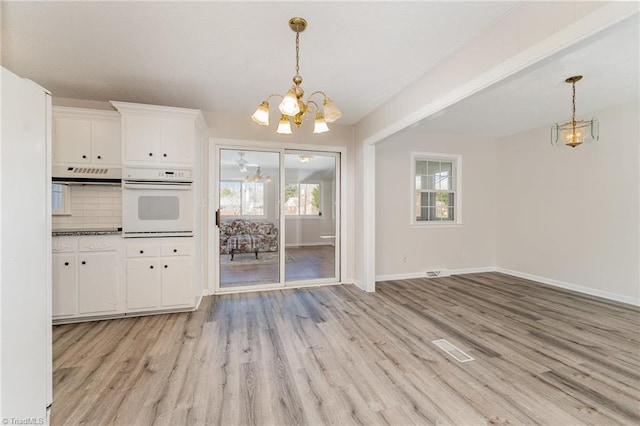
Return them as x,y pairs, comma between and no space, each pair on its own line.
157,209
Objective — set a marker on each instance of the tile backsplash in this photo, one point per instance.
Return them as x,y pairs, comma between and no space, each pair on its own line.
92,206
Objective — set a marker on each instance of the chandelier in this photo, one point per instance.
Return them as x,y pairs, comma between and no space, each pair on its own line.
292,105
258,177
575,132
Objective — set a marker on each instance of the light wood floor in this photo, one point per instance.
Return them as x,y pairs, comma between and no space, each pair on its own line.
337,355
309,263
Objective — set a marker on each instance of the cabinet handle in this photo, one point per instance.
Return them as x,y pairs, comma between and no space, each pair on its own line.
141,251
84,263
84,156
175,250
151,267
99,157
66,263
151,154
166,266
164,155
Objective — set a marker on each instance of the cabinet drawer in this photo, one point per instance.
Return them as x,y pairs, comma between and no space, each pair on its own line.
178,249
103,243
142,250
64,244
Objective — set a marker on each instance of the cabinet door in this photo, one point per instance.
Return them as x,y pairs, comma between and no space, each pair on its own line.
98,283
141,139
176,283
177,141
71,141
143,280
63,285
105,139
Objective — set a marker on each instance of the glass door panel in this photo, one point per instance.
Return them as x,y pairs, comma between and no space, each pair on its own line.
249,218
311,216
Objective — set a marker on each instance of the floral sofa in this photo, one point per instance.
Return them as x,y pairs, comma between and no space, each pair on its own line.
244,236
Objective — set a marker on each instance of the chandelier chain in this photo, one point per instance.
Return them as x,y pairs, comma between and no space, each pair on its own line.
297,53
573,116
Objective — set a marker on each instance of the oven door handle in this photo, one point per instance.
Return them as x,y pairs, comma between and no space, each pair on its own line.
164,186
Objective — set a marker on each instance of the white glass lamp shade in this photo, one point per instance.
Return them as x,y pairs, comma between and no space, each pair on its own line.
320,125
284,127
289,105
575,134
267,179
331,111
261,116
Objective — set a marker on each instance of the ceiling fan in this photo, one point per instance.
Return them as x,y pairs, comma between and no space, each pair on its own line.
243,163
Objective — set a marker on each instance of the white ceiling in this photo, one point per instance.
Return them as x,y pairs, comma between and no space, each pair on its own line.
539,96
228,56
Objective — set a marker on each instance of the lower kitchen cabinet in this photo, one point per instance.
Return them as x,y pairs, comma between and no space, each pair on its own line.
175,287
108,276
64,284
159,274
98,279
86,278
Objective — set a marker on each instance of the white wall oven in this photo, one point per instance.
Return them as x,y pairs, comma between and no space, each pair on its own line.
157,202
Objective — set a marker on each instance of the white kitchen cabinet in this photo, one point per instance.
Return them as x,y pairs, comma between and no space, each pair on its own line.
159,274
176,287
86,276
98,283
143,275
64,285
88,137
155,135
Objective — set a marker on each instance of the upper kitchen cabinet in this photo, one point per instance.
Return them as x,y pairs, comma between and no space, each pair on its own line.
84,136
159,135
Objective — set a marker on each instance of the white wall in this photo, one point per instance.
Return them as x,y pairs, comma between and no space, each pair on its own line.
471,245
527,35
572,215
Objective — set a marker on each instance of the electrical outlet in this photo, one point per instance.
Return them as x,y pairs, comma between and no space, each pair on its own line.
404,258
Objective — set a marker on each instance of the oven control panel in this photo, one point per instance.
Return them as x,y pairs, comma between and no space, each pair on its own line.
157,174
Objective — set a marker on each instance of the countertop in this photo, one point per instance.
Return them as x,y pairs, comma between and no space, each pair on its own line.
80,232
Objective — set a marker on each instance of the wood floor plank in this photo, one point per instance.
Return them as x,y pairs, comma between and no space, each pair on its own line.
337,355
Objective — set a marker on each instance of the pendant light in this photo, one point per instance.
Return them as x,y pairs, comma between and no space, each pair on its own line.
575,132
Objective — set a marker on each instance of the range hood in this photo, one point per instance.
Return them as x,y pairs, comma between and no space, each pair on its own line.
86,175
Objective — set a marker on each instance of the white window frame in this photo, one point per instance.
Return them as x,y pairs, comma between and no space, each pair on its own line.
65,209
456,159
247,216
306,216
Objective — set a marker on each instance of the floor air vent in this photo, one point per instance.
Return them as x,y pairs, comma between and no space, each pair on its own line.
452,350
436,273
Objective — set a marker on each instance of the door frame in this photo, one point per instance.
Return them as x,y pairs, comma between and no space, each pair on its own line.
212,247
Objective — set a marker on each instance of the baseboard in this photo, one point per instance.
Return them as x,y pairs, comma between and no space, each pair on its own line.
574,287
412,275
360,285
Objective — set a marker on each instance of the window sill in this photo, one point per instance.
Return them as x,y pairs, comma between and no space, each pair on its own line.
436,225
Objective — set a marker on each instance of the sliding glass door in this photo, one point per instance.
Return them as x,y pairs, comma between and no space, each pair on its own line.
277,211
249,218
311,217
